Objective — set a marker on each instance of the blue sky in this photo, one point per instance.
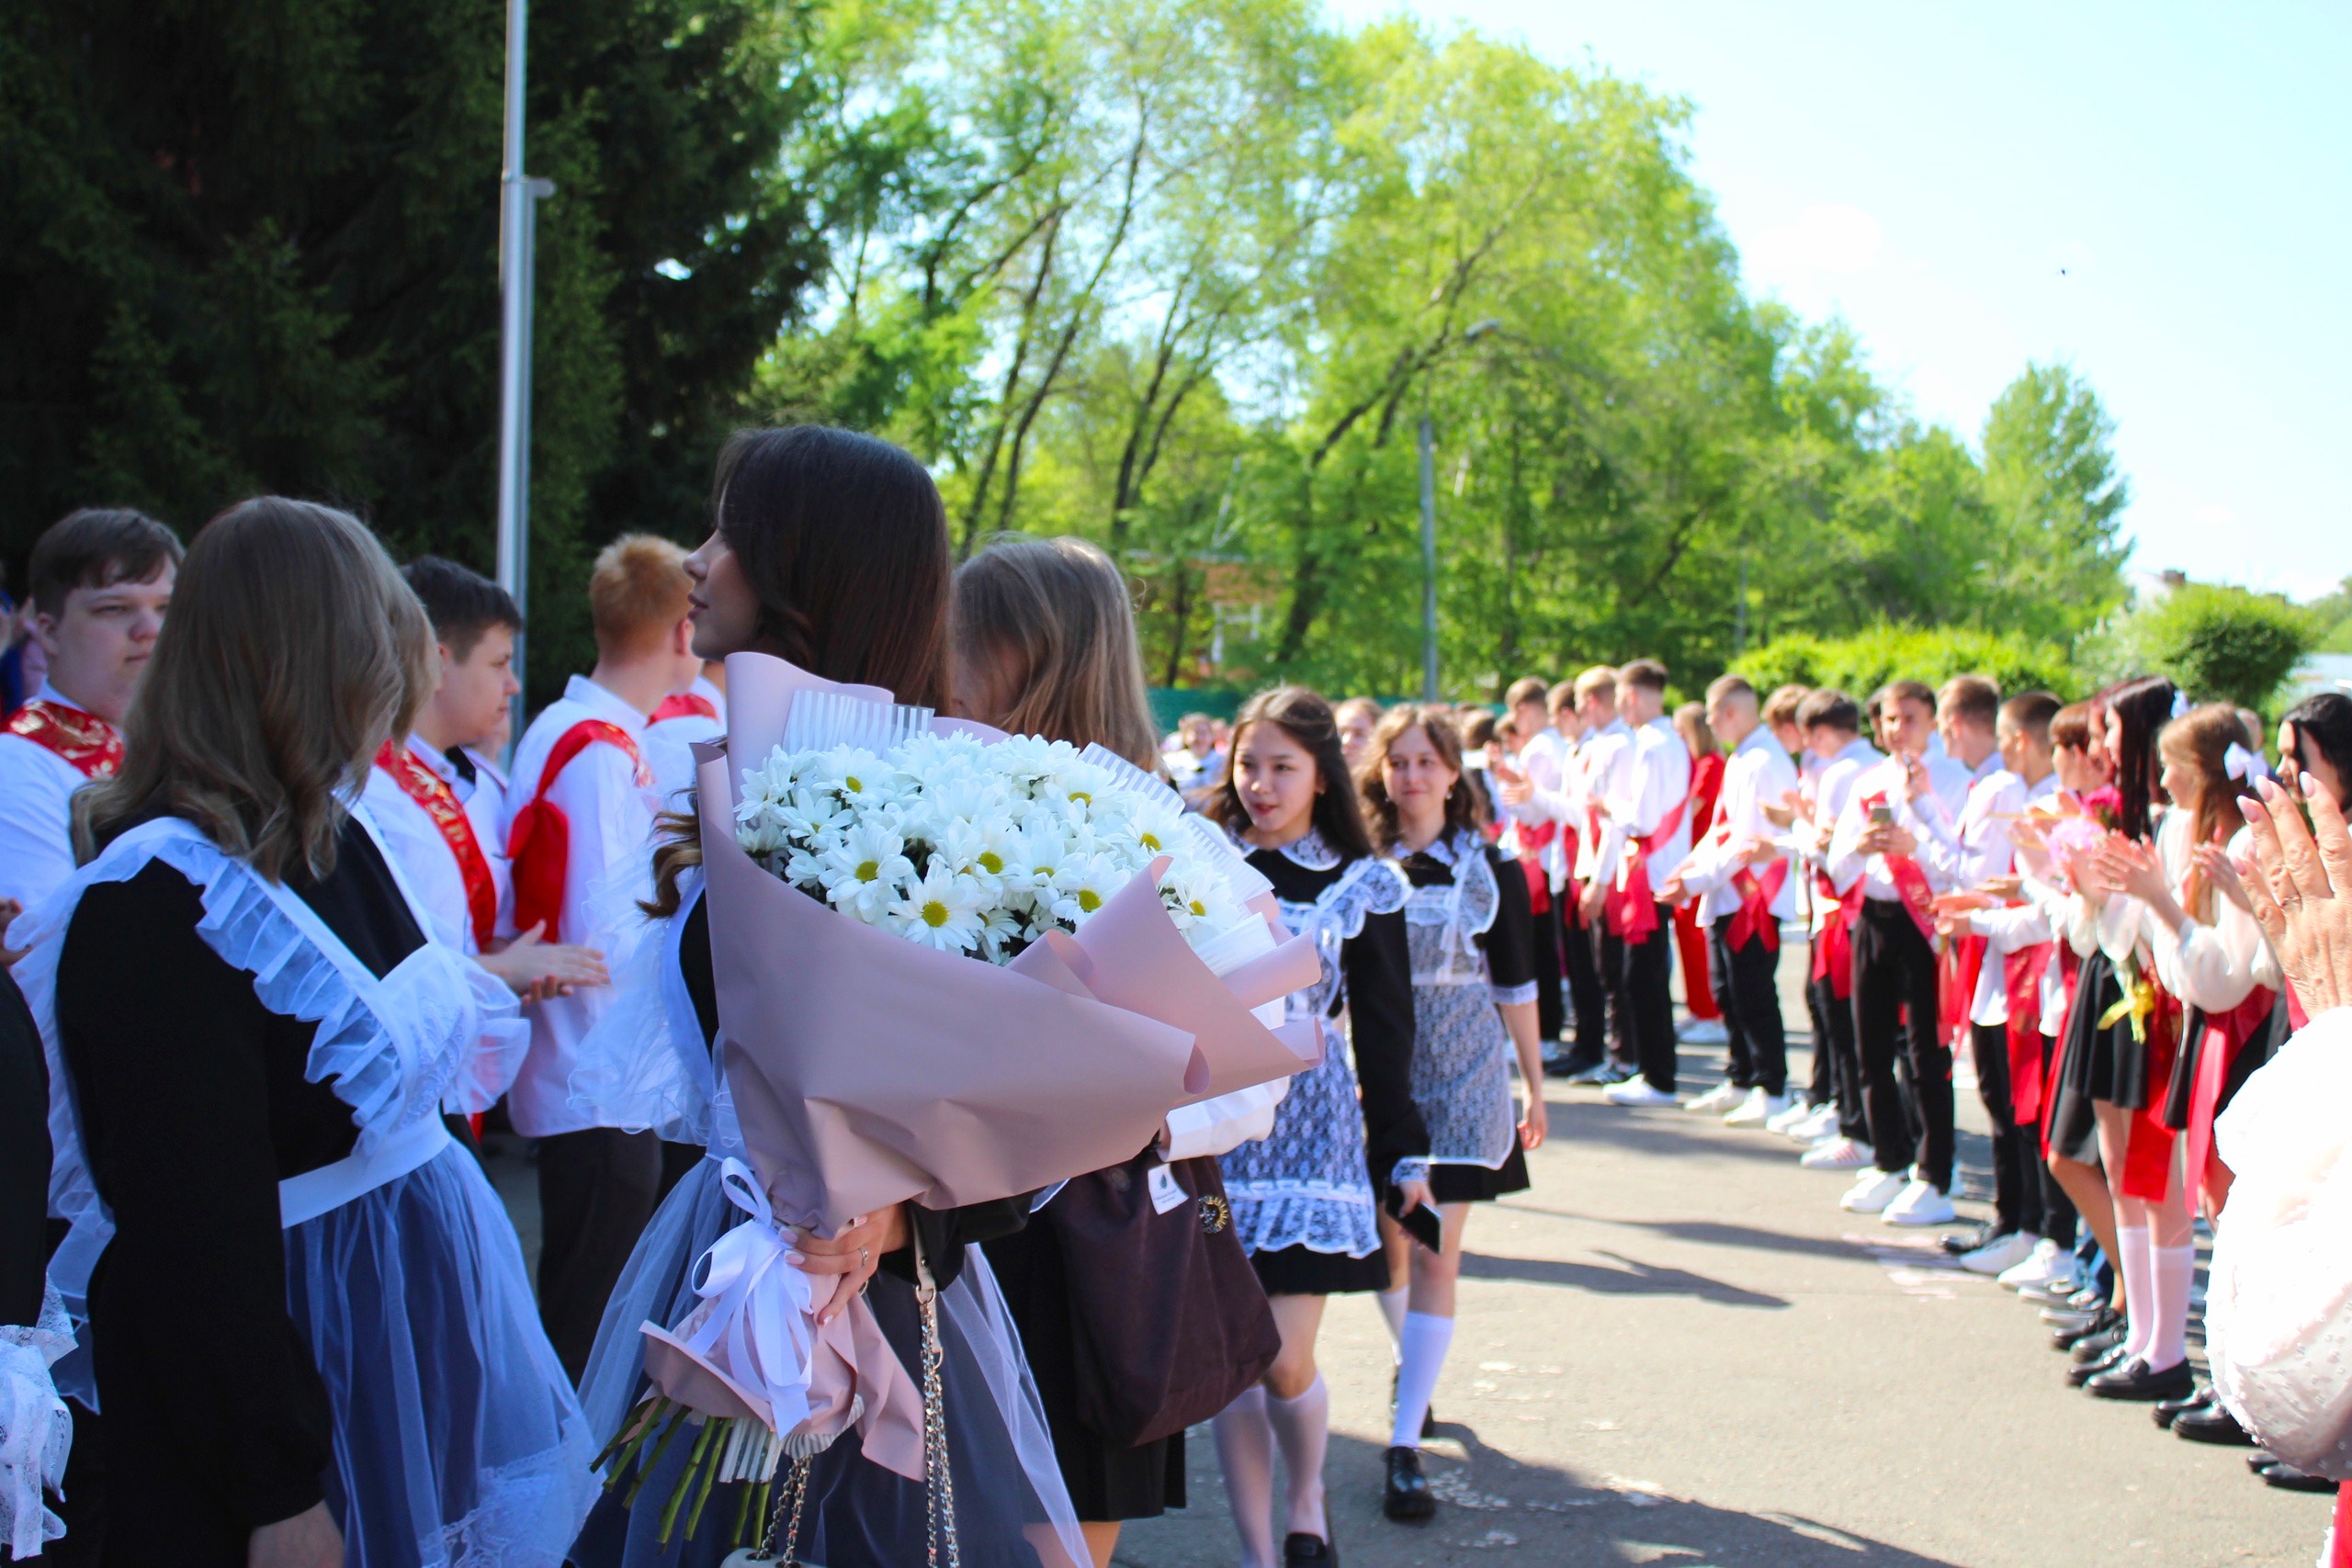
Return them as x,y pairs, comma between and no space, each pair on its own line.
2158,194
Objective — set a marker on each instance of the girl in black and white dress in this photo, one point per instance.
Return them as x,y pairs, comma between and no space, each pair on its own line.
1472,937
1348,1136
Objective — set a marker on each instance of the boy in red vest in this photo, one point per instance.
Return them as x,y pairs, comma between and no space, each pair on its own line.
579,832
99,584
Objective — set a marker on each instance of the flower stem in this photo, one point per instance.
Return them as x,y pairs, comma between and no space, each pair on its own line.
686,1477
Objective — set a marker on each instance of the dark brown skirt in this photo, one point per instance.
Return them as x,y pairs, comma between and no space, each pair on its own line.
1451,1183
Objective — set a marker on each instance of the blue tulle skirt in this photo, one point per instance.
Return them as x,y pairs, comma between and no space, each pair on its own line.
458,1440
1012,1511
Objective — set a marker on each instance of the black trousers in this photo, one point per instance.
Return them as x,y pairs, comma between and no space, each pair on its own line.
1587,995
1837,1053
1646,968
1548,1018
1746,982
1895,1015
2018,1174
597,1187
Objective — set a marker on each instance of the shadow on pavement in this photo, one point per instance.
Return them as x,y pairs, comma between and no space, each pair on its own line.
1559,1518
1634,1279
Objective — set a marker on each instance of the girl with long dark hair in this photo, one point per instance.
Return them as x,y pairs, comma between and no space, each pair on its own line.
1472,937
314,1338
828,549
1306,1198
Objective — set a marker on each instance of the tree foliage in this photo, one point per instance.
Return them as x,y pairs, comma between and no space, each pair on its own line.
1183,276
1859,665
2215,642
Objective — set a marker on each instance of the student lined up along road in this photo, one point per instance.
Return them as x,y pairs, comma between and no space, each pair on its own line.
283,932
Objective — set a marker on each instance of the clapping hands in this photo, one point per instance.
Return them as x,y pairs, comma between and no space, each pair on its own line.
2300,884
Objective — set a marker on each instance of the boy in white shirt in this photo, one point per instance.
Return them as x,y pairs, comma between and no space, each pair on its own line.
99,584
1645,834
698,713
580,832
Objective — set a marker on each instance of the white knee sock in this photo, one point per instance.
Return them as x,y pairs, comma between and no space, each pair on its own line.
1427,1338
2176,1274
2138,1288
1392,1308
1245,1451
1303,1430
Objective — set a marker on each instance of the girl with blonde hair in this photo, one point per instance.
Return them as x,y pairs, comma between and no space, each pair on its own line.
314,1336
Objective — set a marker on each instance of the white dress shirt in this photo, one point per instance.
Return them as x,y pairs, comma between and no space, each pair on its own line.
1833,787
1757,772
669,744
1971,849
607,872
435,874
1657,776
1948,785
1605,760
2216,962
37,789
1549,762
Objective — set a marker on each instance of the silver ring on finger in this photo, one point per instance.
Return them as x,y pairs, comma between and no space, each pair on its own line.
865,1259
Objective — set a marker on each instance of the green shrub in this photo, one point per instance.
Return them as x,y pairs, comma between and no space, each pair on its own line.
2217,643
1863,662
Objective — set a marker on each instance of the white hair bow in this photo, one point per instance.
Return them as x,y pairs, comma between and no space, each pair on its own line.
2243,765
2180,702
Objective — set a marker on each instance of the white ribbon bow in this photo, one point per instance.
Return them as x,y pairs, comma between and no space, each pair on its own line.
2180,704
2239,762
759,1304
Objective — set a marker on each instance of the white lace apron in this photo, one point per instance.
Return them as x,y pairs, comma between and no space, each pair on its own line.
1305,1183
1461,1050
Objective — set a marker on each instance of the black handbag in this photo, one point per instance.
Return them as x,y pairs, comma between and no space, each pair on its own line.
1167,1322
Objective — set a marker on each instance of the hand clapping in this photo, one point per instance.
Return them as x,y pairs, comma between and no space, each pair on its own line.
2300,886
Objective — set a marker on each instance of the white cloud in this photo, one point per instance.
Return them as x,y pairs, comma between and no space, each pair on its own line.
1839,240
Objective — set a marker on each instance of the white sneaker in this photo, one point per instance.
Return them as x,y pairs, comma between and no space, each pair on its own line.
1920,1203
1873,1191
1818,1123
1796,1109
1636,1091
2046,1265
1705,1032
1716,1100
2001,1254
1757,1109
1837,1154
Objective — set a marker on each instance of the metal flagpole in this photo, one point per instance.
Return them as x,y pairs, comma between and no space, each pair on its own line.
518,223
1429,561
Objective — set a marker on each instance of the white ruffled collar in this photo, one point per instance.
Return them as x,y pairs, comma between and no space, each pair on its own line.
1310,851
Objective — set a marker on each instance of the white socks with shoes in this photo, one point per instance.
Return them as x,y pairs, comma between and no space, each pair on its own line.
1303,1431
2166,1345
2138,1288
1245,1451
1425,1341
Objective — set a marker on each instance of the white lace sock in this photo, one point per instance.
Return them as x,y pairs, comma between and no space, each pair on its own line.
1426,1340
1245,1451
2176,1274
2139,1287
1303,1428
1392,1309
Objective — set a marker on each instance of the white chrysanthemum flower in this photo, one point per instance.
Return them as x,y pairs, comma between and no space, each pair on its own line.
1082,885
942,911
864,874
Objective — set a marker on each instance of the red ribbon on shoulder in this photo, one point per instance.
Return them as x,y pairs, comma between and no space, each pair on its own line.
92,745
428,788
684,705
1631,908
539,843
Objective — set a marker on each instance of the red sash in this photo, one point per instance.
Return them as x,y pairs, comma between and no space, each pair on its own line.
426,787
1753,916
92,745
1631,909
1918,899
1534,838
539,843
2147,1159
1958,969
2225,1036
1833,948
2021,975
684,705
2296,1016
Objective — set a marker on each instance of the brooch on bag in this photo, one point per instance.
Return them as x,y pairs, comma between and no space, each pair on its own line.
1216,1213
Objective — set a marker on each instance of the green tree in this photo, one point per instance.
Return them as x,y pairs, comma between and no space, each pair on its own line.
254,246
2054,559
2215,642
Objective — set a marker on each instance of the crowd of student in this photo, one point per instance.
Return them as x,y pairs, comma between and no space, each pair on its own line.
288,926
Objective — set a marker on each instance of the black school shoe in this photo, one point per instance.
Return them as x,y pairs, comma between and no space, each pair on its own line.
2209,1423
2168,1411
1962,1242
2091,1346
1301,1549
2104,1321
1406,1495
2081,1372
2134,1380
2286,1476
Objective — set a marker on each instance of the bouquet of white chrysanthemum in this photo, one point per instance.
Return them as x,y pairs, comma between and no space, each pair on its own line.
977,847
